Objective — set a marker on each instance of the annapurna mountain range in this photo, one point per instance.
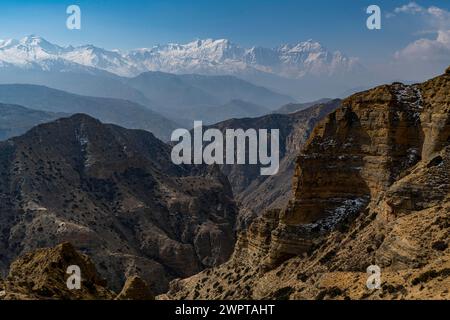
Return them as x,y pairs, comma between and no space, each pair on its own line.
293,63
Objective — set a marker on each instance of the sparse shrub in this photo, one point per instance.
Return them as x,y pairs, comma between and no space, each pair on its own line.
283,293
439,245
430,275
329,292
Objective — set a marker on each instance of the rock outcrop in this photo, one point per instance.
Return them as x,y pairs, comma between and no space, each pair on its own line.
135,289
371,187
115,195
42,275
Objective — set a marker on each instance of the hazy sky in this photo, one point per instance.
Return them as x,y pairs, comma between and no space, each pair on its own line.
339,25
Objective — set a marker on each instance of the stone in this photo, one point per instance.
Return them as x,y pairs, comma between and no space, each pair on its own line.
135,289
42,274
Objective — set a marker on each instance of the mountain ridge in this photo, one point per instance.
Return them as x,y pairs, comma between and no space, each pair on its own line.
289,60
118,111
116,195
15,120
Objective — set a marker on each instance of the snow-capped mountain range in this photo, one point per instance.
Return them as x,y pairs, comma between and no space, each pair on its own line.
202,56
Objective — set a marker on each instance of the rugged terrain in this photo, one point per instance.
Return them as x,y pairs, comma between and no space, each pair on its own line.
371,187
254,192
116,196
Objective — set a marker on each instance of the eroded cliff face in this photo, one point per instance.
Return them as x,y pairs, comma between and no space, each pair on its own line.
356,155
371,186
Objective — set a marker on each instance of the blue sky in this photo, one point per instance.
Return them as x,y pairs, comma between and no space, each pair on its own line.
339,25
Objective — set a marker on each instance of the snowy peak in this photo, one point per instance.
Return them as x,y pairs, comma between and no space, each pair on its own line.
28,50
36,44
208,49
222,56
91,56
312,58
32,40
307,46
207,56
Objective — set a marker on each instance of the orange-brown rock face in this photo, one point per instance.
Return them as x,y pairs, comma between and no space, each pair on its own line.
352,159
357,153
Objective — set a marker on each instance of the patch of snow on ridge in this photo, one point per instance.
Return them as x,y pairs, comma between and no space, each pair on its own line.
409,95
82,138
336,216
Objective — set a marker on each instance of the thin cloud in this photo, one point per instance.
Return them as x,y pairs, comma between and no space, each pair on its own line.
412,8
425,50
432,16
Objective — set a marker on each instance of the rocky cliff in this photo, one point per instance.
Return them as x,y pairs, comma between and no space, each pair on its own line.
116,196
371,187
254,192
